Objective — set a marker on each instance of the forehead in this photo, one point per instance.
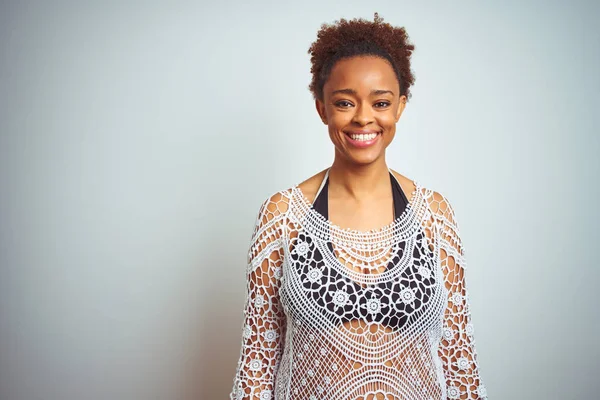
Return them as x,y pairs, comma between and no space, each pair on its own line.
362,72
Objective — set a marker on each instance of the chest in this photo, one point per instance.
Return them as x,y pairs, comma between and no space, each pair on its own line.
362,217
325,283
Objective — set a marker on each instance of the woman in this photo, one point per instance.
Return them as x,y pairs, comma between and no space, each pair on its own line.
341,302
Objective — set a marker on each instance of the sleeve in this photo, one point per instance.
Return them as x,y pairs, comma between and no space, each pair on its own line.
263,331
457,346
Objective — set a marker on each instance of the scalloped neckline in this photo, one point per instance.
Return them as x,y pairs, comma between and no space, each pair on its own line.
397,224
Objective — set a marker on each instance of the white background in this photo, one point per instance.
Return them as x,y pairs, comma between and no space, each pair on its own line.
138,141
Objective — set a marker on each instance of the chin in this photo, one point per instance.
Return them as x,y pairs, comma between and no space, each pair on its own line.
363,159
365,156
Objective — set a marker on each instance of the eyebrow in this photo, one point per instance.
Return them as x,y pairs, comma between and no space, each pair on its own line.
374,92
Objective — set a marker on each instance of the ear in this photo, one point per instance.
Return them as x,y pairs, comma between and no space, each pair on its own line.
400,107
321,110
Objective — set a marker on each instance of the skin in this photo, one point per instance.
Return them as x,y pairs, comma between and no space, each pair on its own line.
360,192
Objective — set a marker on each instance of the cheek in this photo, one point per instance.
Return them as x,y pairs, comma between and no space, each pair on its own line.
388,123
335,134
339,120
387,119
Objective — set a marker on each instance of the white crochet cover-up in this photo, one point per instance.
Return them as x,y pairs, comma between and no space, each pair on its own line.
317,326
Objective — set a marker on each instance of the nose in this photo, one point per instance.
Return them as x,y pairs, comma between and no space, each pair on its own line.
363,115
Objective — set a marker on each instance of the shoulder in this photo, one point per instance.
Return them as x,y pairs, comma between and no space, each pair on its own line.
269,224
439,205
277,203
310,186
274,206
437,202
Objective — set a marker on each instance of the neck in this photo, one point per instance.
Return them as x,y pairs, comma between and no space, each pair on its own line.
359,182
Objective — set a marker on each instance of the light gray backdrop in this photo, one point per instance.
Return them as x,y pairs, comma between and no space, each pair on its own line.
138,141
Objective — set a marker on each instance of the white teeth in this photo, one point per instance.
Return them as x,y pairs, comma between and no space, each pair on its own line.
363,137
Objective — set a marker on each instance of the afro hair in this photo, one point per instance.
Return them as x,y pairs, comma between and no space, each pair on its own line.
360,37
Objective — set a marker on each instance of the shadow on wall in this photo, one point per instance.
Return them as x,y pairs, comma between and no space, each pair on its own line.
215,345
215,340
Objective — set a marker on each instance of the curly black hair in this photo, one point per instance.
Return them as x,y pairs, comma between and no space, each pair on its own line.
345,39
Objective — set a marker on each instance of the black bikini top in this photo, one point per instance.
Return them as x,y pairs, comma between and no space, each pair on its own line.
343,299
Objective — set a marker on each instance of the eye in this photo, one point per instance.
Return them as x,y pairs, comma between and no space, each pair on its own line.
382,104
343,104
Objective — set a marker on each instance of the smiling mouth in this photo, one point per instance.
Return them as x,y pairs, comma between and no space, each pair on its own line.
362,137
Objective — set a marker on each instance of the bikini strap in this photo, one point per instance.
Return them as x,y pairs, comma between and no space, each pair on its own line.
400,200
323,182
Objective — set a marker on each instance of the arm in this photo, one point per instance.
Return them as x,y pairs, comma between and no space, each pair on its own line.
264,320
457,346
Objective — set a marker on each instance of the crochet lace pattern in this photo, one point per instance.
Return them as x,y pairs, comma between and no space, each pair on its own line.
302,338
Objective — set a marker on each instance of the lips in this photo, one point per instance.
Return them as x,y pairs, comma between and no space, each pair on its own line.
362,138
